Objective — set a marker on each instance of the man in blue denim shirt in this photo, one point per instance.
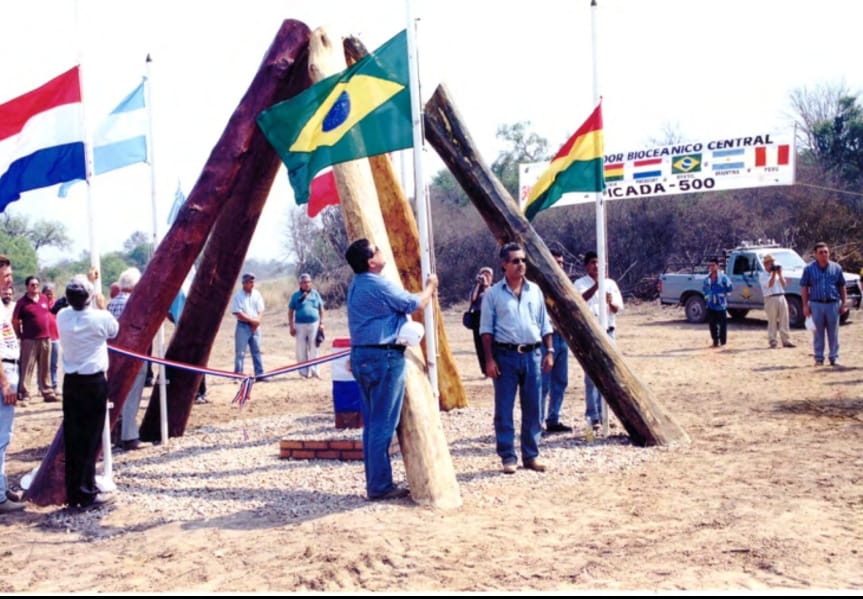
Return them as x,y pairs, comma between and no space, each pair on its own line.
716,288
823,291
514,325
377,308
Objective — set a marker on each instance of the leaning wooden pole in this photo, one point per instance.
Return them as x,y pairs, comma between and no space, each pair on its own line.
401,223
428,464
643,417
216,277
239,151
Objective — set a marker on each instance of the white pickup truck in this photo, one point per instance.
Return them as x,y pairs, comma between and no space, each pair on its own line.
743,266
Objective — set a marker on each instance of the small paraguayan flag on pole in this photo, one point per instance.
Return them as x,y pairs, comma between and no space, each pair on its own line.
121,140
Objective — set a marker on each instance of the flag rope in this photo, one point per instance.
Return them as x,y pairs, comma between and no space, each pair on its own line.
246,381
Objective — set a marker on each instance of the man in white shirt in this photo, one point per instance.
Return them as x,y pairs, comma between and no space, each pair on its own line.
248,307
84,334
587,286
773,287
9,352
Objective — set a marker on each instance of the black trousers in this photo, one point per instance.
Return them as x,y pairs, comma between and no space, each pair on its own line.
84,400
718,322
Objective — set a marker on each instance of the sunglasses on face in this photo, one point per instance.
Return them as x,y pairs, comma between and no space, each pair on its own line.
518,261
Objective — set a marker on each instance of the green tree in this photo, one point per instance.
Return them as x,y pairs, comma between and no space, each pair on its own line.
139,249
22,255
525,146
42,233
839,142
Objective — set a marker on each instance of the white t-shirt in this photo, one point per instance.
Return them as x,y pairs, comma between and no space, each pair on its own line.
586,282
764,279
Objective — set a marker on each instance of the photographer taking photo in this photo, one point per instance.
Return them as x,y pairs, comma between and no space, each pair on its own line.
773,287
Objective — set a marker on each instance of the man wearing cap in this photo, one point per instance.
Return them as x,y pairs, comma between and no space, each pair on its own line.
773,288
84,334
248,307
514,326
9,352
305,319
377,309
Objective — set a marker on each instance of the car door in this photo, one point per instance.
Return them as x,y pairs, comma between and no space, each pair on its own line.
744,277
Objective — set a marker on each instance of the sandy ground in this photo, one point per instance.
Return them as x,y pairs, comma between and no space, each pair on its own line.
767,496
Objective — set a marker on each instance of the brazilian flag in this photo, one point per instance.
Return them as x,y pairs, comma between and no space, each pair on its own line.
363,111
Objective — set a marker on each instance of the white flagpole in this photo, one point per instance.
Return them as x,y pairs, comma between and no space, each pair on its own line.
105,482
160,335
420,194
601,254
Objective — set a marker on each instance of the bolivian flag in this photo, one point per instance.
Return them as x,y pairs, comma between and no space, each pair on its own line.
363,111
576,167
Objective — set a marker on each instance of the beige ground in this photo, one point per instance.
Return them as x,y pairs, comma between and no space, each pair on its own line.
769,494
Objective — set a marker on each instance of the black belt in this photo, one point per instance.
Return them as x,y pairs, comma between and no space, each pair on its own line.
823,301
395,346
776,295
8,361
522,348
100,373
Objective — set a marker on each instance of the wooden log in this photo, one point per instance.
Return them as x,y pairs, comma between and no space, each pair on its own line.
241,154
400,223
643,417
428,464
215,280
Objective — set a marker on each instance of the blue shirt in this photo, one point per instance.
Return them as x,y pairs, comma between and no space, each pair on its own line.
512,319
716,292
308,310
824,283
377,308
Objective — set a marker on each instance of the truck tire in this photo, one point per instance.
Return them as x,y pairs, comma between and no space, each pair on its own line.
738,313
795,312
696,309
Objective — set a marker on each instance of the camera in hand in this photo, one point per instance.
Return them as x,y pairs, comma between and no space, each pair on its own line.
776,268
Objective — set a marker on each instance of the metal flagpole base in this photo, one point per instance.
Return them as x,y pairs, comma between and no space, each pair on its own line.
105,481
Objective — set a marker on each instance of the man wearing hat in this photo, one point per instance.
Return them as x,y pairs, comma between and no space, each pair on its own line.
248,307
84,333
773,287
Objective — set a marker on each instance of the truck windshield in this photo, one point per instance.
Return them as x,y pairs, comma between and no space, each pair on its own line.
788,259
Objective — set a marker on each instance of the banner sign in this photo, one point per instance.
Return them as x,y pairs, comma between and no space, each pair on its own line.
714,165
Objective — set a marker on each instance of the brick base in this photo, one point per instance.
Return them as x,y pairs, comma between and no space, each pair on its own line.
326,450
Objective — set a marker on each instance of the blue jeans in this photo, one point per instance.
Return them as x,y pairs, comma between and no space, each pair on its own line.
517,372
592,397
244,337
554,382
7,417
826,319
55,350
380,374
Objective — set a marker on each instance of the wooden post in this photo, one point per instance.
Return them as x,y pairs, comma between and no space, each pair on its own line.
241,166
400,222
644,419
428,464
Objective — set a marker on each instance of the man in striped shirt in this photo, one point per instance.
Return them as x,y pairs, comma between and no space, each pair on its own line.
823,291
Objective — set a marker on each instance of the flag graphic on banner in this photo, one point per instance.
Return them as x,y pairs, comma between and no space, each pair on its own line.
577,166
686,163
779,155
362,111
613,172
121,139
647,169
41,138
725,160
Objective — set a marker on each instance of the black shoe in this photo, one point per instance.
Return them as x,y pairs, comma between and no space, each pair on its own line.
557,427
395,492
13,496
148,382
130,444
716,344
98,501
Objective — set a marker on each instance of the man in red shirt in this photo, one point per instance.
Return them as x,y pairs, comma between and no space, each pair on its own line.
31,320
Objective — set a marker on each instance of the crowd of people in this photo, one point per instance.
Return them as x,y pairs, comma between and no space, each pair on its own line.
517,347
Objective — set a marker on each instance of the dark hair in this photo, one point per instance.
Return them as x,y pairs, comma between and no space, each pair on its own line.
557,253
588,256
818,245
5,261
509,248
358,255
713,261
30,278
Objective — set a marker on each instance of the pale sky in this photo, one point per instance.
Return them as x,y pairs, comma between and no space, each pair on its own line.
702,67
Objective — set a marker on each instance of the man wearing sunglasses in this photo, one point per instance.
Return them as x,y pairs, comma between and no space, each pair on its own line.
514,326
32,322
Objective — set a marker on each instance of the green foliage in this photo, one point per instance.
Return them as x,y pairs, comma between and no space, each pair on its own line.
839,142
22,255
525,146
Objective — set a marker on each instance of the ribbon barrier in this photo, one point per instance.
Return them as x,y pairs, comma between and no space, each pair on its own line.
246,381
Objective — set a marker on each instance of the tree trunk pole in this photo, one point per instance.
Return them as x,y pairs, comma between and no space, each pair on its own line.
240,152
644,419
428,464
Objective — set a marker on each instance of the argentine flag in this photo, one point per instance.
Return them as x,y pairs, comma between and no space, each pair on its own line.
122,139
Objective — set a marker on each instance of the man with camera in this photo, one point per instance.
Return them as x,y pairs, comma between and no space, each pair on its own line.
773,287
